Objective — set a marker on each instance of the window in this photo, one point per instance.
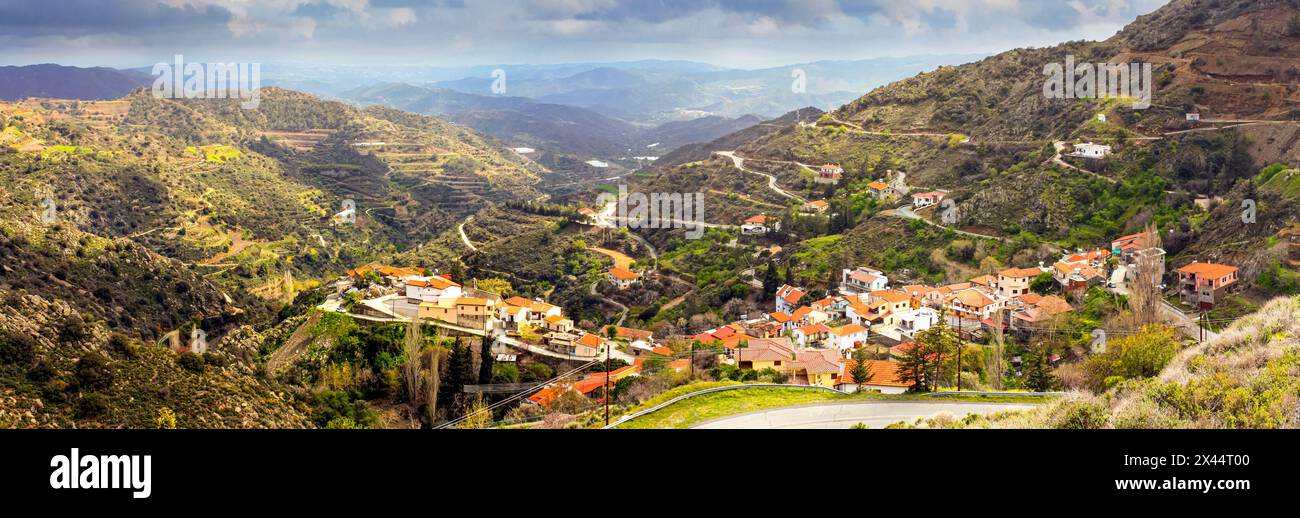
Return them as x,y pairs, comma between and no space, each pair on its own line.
777,363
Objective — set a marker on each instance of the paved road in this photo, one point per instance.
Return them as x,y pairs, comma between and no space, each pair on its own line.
771,180
875,414
1185,323
906,212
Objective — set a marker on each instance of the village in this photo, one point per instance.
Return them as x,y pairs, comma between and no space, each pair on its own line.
804,341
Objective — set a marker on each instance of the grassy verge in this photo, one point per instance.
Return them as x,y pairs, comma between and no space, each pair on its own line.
731,402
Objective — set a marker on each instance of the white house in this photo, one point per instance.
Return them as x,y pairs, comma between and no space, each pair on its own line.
431,288
623,278
926,199
847,337
917,320
1090,150
862,280
829,174
787,298
755,225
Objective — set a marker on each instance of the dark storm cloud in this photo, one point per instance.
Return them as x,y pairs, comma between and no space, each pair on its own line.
479,31
73,18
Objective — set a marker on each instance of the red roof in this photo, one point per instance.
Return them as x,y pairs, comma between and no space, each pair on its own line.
591,340
790,294
1211,270
624,274
760,219
883,373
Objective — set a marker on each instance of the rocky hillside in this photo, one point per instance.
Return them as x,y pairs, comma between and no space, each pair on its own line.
126,225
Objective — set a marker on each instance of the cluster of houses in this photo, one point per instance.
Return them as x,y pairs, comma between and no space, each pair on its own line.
437,297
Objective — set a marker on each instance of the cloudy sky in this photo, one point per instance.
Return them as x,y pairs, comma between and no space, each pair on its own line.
731,33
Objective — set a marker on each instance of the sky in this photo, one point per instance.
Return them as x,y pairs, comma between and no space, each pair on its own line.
728,33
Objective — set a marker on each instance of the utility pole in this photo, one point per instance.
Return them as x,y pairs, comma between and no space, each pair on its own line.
606,383
692,359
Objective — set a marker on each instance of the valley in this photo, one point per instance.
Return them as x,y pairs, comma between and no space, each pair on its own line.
429,253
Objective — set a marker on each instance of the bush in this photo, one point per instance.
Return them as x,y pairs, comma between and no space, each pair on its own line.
190,362
1141,355
73,330
337,409
16,348
93,372
1080,415
91,405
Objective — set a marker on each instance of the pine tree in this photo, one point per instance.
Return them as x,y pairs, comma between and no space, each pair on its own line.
861,370
1038,376
915,367
770,280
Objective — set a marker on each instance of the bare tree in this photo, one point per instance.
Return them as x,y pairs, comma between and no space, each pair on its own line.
411,349
1144,293
999,341
433,375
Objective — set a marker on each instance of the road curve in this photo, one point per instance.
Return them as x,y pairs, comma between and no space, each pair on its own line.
875,414
739,162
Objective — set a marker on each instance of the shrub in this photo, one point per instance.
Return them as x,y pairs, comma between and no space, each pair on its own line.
1141,355
91,405
16,348
73,330
190,362
93,372
1080,415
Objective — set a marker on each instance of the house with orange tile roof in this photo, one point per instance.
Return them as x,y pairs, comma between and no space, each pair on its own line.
1014,282
763,353
862,280
1202,285
815,207
787,298
810,334
623,278
884,378
558,323
1125,246
430,288
755,225
820,367
589,345
829,174
881,190
679,365
632,334
833,307
971,303
846,337
926,199
1035,312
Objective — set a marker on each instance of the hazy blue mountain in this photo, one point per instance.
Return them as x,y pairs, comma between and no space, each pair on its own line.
64,82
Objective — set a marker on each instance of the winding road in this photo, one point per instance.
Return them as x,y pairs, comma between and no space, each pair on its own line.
875,414
464,238
771,180
906,212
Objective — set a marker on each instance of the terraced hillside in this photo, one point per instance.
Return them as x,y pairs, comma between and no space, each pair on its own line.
126,226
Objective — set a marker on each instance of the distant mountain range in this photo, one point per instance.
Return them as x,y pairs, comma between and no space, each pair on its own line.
656,95
63,82
556,127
